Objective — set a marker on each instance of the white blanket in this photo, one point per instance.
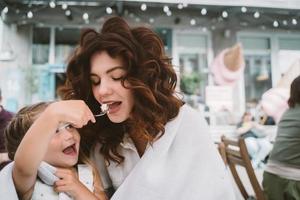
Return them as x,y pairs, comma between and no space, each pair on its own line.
183,164
7,187
8,191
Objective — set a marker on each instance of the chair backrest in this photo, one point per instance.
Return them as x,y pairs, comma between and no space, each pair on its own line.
234,152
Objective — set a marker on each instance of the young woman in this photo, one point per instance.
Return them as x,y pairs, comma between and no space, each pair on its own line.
150,145
33,136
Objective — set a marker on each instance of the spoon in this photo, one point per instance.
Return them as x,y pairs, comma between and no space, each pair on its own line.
104,110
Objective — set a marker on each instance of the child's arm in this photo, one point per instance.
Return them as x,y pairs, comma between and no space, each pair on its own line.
69,183
33,146
244,128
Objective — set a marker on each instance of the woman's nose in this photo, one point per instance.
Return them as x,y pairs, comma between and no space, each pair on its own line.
104,88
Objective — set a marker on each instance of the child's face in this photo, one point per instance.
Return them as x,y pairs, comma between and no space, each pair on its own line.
248,117
63,149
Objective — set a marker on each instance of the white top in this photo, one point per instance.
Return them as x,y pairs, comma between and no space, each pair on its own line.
115,173
41,190
45,191
182,164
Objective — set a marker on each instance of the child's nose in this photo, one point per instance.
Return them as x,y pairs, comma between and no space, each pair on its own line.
67,135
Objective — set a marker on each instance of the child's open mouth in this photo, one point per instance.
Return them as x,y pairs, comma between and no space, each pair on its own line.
70,150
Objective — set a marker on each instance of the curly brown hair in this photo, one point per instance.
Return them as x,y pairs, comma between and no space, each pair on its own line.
150,75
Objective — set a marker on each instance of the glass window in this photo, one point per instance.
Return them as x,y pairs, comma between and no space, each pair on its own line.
193,77
193,67
258,78
65,43
40,47
192,40
255,43
289,43
166,36
257,74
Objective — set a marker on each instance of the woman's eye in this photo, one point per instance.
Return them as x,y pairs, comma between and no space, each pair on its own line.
117,78
95,81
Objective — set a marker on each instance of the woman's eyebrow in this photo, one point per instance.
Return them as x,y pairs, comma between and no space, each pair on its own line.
114,68
110,70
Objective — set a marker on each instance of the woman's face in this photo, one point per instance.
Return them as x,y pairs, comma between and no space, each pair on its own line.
106,75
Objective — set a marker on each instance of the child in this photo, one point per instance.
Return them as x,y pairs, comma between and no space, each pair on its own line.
34,136
258,145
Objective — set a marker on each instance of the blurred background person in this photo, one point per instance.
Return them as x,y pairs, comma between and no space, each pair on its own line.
258,145
5,117
281,179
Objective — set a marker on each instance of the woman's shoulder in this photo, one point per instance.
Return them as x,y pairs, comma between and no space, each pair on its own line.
189,116
187,112
291,113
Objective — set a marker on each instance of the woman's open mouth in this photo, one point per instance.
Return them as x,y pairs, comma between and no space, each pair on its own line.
114,107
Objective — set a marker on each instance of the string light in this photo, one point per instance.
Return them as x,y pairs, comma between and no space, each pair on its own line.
109,10
143,7
29,15
151,20
256,15
5,10
64,6
180,6
224,14
284,22
166,9
244,9
68,13
85,16
203,11
52,4
193,22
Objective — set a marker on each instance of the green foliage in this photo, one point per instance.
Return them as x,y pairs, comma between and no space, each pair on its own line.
189,83
31,79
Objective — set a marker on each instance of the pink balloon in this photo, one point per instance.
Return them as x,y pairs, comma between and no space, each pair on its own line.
274,102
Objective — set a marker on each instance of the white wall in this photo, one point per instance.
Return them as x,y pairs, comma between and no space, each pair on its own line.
17,40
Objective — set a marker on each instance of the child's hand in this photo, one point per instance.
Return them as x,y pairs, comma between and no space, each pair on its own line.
70,184
75,112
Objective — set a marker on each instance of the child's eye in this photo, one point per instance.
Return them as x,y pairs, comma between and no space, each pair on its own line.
70,127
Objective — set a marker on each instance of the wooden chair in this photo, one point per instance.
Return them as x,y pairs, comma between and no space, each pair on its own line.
234,152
